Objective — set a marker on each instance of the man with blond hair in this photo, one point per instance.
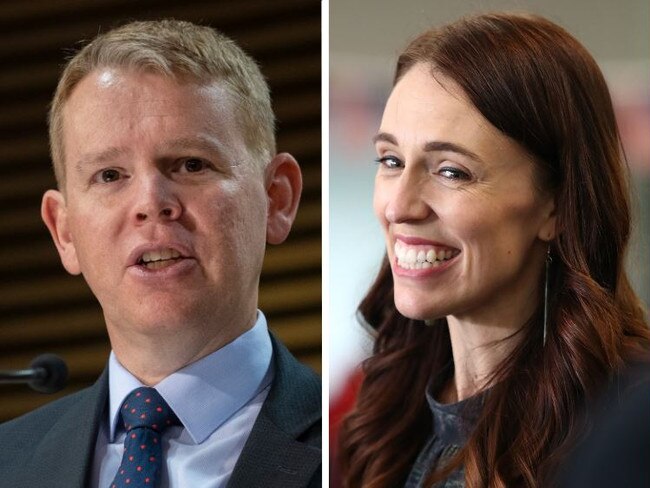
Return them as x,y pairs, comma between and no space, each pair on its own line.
169,187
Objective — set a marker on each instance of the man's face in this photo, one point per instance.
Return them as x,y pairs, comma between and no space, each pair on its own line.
164,212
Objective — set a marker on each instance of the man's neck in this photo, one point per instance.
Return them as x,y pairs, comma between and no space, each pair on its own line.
153,357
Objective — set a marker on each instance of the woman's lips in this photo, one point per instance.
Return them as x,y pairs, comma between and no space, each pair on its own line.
416,254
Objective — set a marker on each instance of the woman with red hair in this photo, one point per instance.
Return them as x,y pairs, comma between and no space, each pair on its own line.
502,308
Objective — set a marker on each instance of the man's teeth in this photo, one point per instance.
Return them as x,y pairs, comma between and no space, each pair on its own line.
159,259
421,257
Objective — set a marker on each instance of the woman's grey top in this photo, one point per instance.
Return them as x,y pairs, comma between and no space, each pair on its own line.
452,424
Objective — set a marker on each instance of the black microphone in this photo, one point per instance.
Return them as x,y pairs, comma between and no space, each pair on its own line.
47,373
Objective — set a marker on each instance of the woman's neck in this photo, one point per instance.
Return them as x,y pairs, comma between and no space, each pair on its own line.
478,350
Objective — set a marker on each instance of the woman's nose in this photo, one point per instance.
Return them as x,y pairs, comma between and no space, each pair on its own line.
406,199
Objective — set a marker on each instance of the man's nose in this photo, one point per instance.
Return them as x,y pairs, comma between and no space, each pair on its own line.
155,199
406,200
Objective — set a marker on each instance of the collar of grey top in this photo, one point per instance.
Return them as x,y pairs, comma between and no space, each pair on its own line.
453,422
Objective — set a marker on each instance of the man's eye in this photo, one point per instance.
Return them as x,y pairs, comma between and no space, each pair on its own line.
390,162
109,175
194,165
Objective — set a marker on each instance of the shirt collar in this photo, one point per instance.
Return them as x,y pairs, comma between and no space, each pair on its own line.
206,393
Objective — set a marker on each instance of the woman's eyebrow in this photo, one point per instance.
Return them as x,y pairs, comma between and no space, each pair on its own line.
431,146
450,146
386,137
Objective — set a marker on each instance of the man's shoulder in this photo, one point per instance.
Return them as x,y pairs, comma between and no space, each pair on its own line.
295,399
41,420
37,438
53,445
284,447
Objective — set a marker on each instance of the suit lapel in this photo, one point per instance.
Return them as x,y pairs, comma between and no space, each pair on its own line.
272,459
275,455
65,453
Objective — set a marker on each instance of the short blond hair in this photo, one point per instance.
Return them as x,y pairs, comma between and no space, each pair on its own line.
180,50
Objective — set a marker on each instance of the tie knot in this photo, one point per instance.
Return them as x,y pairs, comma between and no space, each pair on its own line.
144,407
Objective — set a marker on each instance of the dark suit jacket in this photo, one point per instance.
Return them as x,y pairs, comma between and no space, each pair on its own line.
45,449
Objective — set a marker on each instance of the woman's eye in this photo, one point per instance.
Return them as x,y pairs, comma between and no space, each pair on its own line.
194,165
390,162
109,175
453,174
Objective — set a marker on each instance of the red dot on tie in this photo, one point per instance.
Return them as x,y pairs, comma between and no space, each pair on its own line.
138,394
130,458
148,400
152,459
126,406
143,416
155,440
128,480
142,446
121,472
139,468
154,426
159,409
133,410
146,480
132,436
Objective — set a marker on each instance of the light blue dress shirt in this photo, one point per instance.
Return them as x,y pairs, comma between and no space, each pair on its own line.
217,399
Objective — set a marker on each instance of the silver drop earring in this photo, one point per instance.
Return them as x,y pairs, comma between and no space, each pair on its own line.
548,265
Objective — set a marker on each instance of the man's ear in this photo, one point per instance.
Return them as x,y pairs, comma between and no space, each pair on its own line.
55,215
283,187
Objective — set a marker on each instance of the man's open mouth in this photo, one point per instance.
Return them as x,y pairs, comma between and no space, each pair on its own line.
159,259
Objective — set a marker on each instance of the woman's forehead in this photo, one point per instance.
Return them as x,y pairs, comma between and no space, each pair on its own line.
423,108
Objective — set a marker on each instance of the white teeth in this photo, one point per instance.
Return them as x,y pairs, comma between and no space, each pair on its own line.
153,256
161,255
421,257
410,256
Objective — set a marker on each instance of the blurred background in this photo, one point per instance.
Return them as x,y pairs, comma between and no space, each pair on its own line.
365,38
41,307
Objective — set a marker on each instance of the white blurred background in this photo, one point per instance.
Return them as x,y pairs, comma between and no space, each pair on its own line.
365,38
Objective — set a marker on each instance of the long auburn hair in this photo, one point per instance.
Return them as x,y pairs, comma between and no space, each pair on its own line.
538,85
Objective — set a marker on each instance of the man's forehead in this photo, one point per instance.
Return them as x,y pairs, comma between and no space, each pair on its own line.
106,85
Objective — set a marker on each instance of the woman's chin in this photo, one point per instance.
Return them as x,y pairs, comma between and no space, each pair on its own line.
418,311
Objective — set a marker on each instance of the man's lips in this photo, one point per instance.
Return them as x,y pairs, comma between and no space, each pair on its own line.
151,253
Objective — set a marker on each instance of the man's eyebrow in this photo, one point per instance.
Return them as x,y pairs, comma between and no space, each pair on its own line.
201,143
431,145
195,142
100,157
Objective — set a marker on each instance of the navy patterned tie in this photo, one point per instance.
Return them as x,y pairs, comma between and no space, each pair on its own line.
145,415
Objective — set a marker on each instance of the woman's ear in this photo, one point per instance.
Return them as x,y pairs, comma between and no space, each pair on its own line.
283,187
55,215
548,229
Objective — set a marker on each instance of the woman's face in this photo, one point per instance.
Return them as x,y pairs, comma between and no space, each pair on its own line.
465,227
